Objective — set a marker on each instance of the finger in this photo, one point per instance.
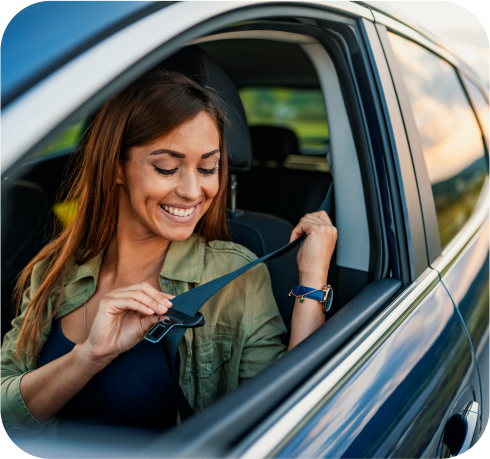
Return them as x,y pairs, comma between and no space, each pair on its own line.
157,295
148,322
143,298
296,233
128,304
323,216
147,300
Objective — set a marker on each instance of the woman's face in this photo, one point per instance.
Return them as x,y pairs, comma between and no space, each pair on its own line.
166,187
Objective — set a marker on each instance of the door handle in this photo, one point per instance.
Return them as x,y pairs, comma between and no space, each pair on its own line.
460,429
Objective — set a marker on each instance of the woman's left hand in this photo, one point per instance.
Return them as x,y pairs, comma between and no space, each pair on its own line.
316,251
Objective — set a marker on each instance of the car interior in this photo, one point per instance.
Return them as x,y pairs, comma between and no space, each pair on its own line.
277,175
273,181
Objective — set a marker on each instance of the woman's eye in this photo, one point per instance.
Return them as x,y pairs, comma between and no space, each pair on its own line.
165,171
208,171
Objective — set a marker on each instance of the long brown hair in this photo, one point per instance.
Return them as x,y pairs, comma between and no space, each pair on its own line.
147,109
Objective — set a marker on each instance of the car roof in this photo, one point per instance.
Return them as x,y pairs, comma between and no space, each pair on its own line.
45,35
65,29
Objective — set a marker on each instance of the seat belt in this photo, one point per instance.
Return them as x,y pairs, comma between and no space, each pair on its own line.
192,301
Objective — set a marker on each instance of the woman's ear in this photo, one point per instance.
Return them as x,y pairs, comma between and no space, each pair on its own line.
120,174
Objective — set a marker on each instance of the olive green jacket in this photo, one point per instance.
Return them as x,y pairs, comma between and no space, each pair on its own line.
241,337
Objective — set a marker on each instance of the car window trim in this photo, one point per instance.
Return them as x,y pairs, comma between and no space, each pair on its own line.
429,215
402,159
462,79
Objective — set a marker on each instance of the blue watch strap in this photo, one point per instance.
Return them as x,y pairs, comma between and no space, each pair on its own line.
323,295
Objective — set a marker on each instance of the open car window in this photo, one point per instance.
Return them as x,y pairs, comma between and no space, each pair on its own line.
301,110
305,174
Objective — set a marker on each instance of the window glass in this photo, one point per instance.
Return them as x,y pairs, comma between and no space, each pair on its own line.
451,138
480,104
300,110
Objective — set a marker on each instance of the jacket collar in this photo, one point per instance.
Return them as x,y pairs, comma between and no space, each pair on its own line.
184,262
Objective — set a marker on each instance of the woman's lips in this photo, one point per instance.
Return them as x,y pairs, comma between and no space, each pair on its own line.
170,212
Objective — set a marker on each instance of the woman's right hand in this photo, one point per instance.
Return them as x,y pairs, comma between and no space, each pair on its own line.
124,317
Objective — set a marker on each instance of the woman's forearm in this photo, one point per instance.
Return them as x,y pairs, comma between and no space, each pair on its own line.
307,316
46,390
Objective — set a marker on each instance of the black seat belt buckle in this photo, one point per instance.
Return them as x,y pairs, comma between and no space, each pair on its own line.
173,319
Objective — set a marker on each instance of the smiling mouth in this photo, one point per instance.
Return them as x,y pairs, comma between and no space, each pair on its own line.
178,212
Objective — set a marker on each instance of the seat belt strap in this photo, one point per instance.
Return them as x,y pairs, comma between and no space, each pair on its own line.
190,303
193,300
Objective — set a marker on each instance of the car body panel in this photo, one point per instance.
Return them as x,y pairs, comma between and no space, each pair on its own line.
396,403
467,281
75,23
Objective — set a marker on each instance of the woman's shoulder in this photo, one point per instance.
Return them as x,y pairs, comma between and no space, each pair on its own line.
223,257
232,250
42,266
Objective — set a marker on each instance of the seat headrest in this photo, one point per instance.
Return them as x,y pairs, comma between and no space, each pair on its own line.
273,143
195,63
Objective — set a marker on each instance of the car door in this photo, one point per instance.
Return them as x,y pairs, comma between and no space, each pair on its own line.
434,98
392,395
450,154
374,386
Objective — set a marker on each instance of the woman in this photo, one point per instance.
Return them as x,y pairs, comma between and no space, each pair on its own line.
150,225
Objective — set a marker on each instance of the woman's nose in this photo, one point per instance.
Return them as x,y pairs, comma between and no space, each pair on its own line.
189,188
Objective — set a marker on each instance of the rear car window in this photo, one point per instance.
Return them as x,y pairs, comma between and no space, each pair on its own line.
480,104
300,110
451,138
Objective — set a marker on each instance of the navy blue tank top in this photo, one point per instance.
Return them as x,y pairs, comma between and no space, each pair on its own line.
134,390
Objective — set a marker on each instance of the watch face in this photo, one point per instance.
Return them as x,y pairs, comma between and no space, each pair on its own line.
329,299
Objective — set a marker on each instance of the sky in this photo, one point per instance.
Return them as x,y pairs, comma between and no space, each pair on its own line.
458,24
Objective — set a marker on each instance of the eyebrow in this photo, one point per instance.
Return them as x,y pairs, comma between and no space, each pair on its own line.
176,154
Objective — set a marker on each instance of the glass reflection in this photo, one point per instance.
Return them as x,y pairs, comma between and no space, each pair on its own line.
480,104
451,139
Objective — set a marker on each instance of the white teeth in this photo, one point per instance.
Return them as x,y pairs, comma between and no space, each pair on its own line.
179,212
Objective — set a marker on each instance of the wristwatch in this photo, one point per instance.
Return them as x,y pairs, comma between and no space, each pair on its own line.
324,295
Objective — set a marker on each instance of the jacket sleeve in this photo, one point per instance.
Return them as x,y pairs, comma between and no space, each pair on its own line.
263,344
16,417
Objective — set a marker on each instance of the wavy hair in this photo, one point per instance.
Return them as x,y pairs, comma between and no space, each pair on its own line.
147,109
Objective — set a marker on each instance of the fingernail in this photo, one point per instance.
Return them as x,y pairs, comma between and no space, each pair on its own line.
167,302
163,308
151,310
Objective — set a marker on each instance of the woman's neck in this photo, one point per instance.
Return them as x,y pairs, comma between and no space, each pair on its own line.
129,259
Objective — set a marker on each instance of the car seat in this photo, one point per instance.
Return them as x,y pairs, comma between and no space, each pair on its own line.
289,193
25,225
260,233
